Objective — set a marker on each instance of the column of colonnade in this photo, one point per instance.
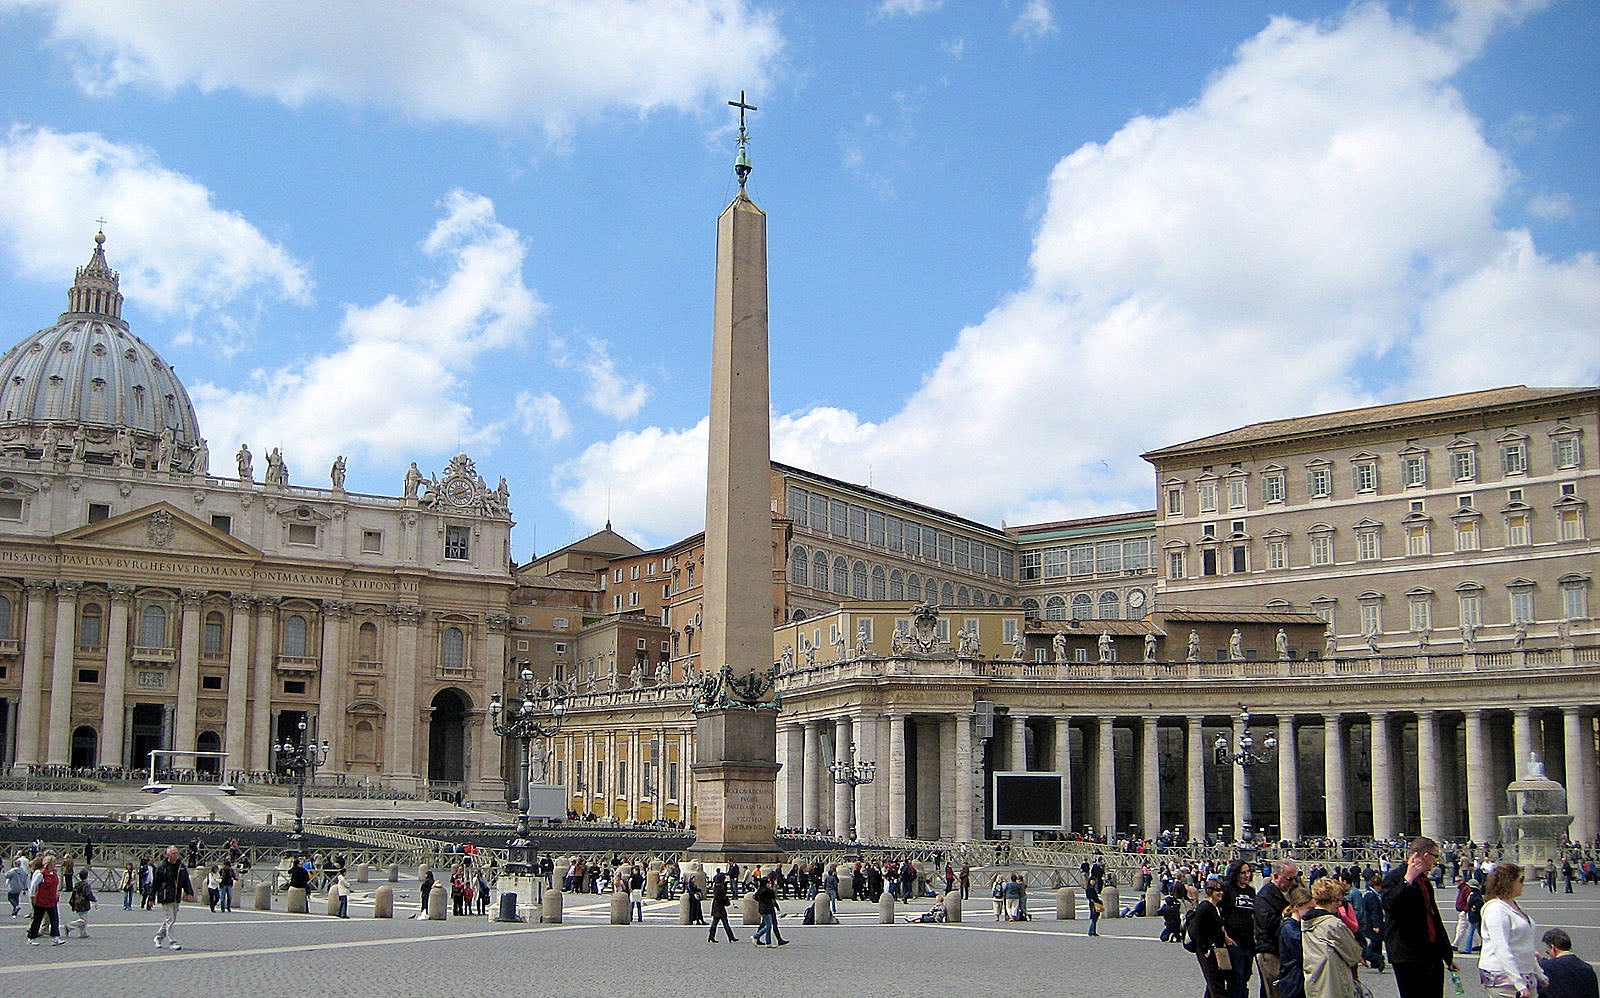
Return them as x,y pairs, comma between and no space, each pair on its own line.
1442,804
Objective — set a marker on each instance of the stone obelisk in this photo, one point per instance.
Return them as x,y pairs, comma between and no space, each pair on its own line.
736,708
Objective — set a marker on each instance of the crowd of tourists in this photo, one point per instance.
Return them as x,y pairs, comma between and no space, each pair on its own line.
1311,936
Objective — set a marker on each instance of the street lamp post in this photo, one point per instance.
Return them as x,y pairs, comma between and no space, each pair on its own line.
300,758
525,722
853,774
1246,756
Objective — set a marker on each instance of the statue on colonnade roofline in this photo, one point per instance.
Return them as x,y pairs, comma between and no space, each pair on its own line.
247,472
1194,647
1150,647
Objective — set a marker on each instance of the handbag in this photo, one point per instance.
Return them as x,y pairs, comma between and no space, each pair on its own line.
1219,955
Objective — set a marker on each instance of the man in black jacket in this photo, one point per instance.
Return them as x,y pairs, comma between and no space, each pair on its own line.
1418,946
172,887
1271,899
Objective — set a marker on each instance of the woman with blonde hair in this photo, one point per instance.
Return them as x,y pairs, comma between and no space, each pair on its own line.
1509,964
1329,951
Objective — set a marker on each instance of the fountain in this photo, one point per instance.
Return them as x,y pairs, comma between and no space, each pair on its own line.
1538,822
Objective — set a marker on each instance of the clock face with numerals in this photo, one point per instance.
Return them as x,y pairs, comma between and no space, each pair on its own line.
457,492
1136,598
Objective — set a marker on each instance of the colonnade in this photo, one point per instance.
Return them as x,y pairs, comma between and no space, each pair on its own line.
1436,771
610,772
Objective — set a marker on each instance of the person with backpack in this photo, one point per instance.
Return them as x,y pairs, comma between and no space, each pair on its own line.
1474,913
1171,912
82,899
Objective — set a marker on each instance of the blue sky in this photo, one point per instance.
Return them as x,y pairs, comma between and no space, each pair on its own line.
1013,244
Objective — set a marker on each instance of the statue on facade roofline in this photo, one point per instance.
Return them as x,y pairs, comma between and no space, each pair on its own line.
336,473
1194,647
246,468
1150,647
1058,645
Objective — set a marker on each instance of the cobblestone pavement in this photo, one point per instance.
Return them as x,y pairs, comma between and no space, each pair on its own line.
253,953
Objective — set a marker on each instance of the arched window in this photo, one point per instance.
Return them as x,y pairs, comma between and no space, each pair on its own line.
963,596
5,617
212,639
841,576
798,615
452,650
1055,608
947,594
91,634
799,568
1082,607
914,587
294,636
1110,607
858,580
819,570
880,583
897,585
367,642
1030,608
153,626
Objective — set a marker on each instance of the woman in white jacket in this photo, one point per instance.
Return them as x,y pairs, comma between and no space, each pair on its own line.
1509,964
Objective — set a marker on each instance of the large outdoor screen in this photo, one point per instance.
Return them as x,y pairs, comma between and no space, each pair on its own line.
1025,802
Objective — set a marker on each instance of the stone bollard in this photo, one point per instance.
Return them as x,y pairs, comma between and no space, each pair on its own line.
263,897
508,907
383,902
332,901
1066,904
683,908
822,910
621,910
438,904
1152,901
550,911
295,901
952,906
394,873
1108,897
886,909
752,912
363,873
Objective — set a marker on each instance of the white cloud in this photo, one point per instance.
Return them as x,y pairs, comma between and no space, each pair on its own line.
609,392
394,386
179,254
1317,230
908,8
1551,207
1035,21
494,63
542,415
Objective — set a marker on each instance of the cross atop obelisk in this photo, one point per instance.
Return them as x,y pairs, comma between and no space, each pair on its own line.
741,164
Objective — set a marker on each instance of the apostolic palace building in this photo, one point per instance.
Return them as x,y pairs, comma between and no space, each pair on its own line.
1401,594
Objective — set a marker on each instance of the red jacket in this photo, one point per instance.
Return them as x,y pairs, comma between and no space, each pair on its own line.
48,893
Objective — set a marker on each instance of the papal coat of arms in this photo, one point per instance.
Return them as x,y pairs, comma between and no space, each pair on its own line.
162,528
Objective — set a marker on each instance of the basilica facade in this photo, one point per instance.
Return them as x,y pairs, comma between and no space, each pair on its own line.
150,601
